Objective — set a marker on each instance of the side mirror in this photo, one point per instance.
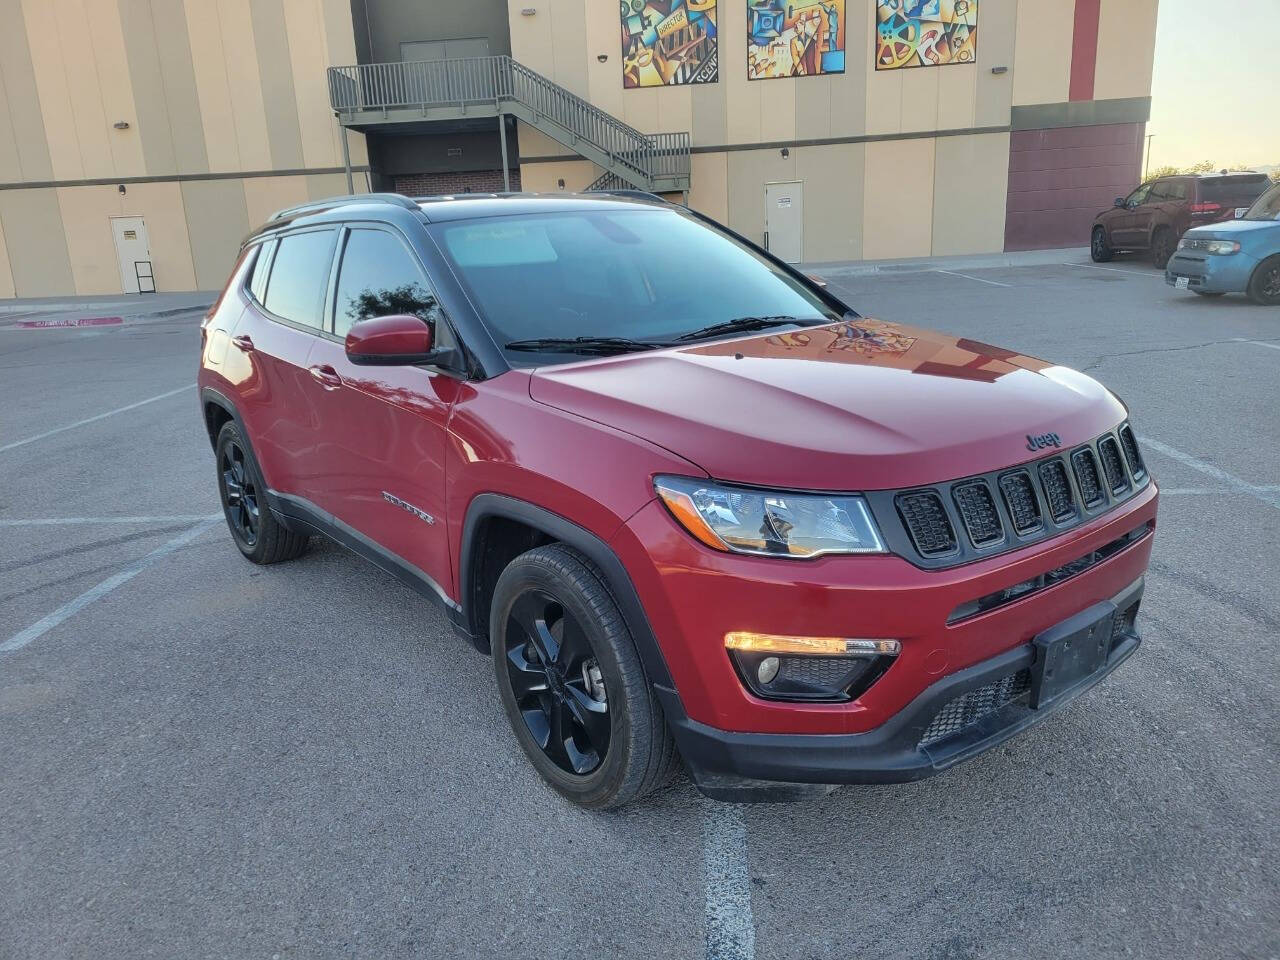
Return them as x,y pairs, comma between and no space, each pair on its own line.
398,340
1119,201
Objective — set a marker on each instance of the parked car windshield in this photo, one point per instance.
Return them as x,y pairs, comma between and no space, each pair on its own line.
648,274
1267,206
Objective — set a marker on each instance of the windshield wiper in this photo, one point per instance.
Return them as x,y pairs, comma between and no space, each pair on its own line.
746,324
585,345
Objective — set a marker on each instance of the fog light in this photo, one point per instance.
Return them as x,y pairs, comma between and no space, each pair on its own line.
832,669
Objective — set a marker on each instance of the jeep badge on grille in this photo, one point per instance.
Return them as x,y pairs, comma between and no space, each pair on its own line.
1041,440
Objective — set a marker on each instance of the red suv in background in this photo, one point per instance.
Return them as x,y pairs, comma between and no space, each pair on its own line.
1155,215
695,507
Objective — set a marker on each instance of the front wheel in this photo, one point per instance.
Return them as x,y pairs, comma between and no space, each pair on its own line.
1264,285
571,682
1099,250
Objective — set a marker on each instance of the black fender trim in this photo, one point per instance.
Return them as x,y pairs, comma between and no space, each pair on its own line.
487,505
209,395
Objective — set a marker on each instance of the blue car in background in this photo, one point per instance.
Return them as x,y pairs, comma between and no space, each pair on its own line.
1237,256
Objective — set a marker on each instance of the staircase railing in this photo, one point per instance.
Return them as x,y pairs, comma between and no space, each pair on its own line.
502,82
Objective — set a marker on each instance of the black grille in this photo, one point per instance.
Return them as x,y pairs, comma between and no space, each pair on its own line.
1020,498
926,520
1131,452
1057,490
968,708
1124,623
1117,479
1087,476
978,511
817,671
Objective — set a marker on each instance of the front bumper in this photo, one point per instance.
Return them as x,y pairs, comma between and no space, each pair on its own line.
955,719
1211,273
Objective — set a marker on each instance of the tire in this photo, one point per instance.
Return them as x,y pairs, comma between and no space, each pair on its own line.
1264,285
1099,250
551,605
255,530
1208,293
1162,246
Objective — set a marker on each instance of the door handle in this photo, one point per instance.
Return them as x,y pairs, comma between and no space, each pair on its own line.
327,376
243,342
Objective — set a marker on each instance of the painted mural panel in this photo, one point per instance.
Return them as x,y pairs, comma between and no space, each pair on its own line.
668,42
925,33
794,38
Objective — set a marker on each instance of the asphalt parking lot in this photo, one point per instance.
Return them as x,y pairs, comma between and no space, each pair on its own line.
202,758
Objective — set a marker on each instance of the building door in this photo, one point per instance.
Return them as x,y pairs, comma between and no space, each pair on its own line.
133,253
411,50
784,220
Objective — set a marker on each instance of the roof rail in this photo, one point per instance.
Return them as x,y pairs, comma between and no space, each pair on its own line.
328,203
639,194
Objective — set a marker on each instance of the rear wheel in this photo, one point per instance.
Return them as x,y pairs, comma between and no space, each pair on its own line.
1264,285
254,529
1162,247
1099,250
571,682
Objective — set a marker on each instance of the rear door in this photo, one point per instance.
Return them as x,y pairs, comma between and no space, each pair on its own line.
275,335
381,452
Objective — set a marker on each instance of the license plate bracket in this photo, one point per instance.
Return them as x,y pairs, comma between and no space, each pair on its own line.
1070,652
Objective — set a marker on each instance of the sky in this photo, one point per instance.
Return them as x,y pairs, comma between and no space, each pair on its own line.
1215,83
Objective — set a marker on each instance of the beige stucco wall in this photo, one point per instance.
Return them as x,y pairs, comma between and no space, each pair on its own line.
1126,48
1042,58
211,90
866,194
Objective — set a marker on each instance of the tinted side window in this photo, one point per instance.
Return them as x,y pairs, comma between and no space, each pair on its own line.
258,282
1138,196
379,277
299,276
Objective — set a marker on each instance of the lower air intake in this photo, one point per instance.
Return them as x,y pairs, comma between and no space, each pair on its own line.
968,708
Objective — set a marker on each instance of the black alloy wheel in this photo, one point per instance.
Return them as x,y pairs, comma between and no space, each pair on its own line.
557,683
1264,285
239,493
1099,249
1162,246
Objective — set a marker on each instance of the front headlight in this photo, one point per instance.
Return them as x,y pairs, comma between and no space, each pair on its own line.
1219,247
771,522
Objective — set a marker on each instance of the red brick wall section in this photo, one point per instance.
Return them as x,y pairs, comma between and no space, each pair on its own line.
473,181
1060,179
1084,49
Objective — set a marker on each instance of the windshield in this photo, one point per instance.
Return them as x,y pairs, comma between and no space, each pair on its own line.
648,274
1267,206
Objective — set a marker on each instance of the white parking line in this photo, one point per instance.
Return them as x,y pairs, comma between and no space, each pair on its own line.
1266,493
1132,273
1256,343
730,927
88,420
93,521
70,609
952,273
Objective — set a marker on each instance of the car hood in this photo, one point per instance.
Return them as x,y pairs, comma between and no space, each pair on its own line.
1231,229
858,405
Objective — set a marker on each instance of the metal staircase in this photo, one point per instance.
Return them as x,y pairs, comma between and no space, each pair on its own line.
373,95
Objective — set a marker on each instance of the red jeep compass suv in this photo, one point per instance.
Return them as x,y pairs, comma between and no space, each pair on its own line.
696,508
